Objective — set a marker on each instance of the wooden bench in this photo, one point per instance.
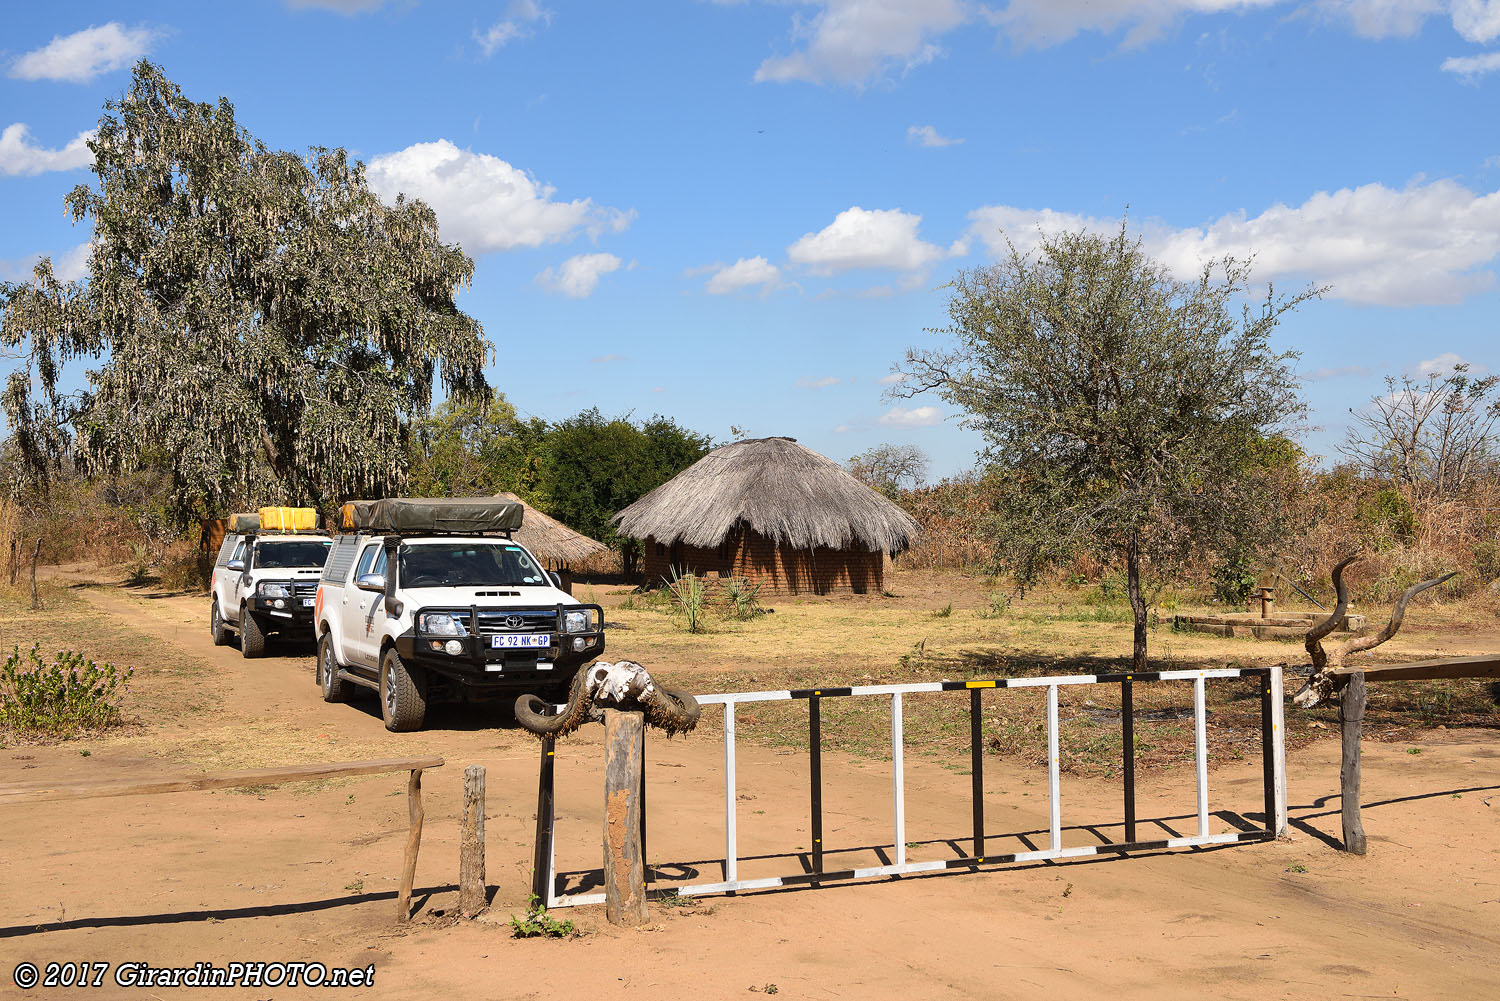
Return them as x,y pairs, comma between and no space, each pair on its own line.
46,792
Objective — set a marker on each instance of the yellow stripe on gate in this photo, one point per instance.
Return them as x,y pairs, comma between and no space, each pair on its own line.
979,684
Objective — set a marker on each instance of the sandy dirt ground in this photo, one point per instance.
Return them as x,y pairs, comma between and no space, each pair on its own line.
308,873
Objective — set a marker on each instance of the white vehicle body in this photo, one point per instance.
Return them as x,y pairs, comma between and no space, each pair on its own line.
266,583
445,617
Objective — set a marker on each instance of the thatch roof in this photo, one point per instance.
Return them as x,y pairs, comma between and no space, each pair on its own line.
550,539
778,488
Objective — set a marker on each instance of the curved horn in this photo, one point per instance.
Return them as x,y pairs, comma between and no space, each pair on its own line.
530,709
1370,642
671,710
1314,640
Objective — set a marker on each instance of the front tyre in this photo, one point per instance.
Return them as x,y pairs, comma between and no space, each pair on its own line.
403,694
335,688
217,627
252,636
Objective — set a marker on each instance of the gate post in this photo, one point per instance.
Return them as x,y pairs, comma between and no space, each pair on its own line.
1351,725
624,864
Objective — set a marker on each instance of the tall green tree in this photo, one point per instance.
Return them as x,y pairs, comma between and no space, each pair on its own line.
594,466
259,317
1125,413
475,447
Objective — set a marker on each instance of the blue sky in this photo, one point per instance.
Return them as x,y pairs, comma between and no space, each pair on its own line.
743,213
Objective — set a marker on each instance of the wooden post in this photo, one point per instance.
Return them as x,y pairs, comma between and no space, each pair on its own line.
15,559
471,890
541,862
36,599
1351,723
624,863
413,843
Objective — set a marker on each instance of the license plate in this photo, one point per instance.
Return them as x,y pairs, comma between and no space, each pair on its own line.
531,641
307,602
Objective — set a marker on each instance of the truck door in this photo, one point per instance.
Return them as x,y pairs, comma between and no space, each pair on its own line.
363,609
227,581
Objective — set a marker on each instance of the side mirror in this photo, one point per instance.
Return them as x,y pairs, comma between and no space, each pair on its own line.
236,564
556,579
371,582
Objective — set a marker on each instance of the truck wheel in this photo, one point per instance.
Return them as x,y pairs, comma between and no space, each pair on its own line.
252,637
335,689
403,694
217,627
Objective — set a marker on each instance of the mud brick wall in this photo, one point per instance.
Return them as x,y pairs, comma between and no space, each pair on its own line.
778,569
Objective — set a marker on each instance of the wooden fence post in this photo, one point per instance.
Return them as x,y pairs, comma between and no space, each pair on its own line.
624,862
471,889
1351,724
15,558
36,599
413,843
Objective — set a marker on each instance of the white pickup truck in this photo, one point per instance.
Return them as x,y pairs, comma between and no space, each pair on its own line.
432,600
265,583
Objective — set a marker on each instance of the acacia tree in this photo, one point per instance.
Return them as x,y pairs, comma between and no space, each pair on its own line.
262,320
888,468
1125,413
1435,437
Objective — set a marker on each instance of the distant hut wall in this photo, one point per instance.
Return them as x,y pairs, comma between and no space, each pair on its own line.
777,568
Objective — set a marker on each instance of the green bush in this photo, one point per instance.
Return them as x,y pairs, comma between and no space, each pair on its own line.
689,595
1234,578
60,699
1389,517
536,923
740,593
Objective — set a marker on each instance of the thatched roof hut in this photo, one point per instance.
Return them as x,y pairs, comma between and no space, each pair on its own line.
774,511
551,540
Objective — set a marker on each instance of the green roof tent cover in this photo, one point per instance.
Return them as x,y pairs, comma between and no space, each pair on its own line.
454,515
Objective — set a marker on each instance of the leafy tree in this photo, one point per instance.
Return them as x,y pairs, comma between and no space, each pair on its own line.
475,447
1125,413
888,468
1435,437
263,320
594,466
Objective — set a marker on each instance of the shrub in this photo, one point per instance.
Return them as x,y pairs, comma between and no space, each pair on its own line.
537,923
60,699
689,594
1234,579
740,594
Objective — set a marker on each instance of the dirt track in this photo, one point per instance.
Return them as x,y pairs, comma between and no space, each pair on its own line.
309,873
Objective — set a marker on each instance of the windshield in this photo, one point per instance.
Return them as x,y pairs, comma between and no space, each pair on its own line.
285,555
468,564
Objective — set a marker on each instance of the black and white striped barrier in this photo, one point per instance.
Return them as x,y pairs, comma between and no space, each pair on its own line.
1273,756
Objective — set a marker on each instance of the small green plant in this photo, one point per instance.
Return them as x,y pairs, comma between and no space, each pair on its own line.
537,923
358,886
1234,578
139,575
62,698
1413,750
944,612
741,594
916,657
998,605
1297,868
688,593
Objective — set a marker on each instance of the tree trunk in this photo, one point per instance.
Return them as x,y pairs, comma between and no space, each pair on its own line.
1351,725
1137,602
471,888
624,857
36,598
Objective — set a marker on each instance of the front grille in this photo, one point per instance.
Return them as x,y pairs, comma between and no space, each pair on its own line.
517,620
304,588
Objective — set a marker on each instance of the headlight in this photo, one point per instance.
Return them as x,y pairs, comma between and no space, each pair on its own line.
273,590
441,624
576,622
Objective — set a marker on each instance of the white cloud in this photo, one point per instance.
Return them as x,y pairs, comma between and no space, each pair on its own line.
1471,68
520,18
485,203
1424,244
744,273
577,277
1040,23
865,238
83,55
69,266
1477,20
823,383
18,155
1443,364
910,417
853,41
892,379
926,135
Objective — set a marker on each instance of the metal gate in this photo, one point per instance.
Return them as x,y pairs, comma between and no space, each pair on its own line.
1273,759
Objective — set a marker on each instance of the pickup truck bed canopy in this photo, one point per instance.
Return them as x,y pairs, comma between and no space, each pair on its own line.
449,515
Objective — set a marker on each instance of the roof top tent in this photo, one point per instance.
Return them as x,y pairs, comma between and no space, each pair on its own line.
433,516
